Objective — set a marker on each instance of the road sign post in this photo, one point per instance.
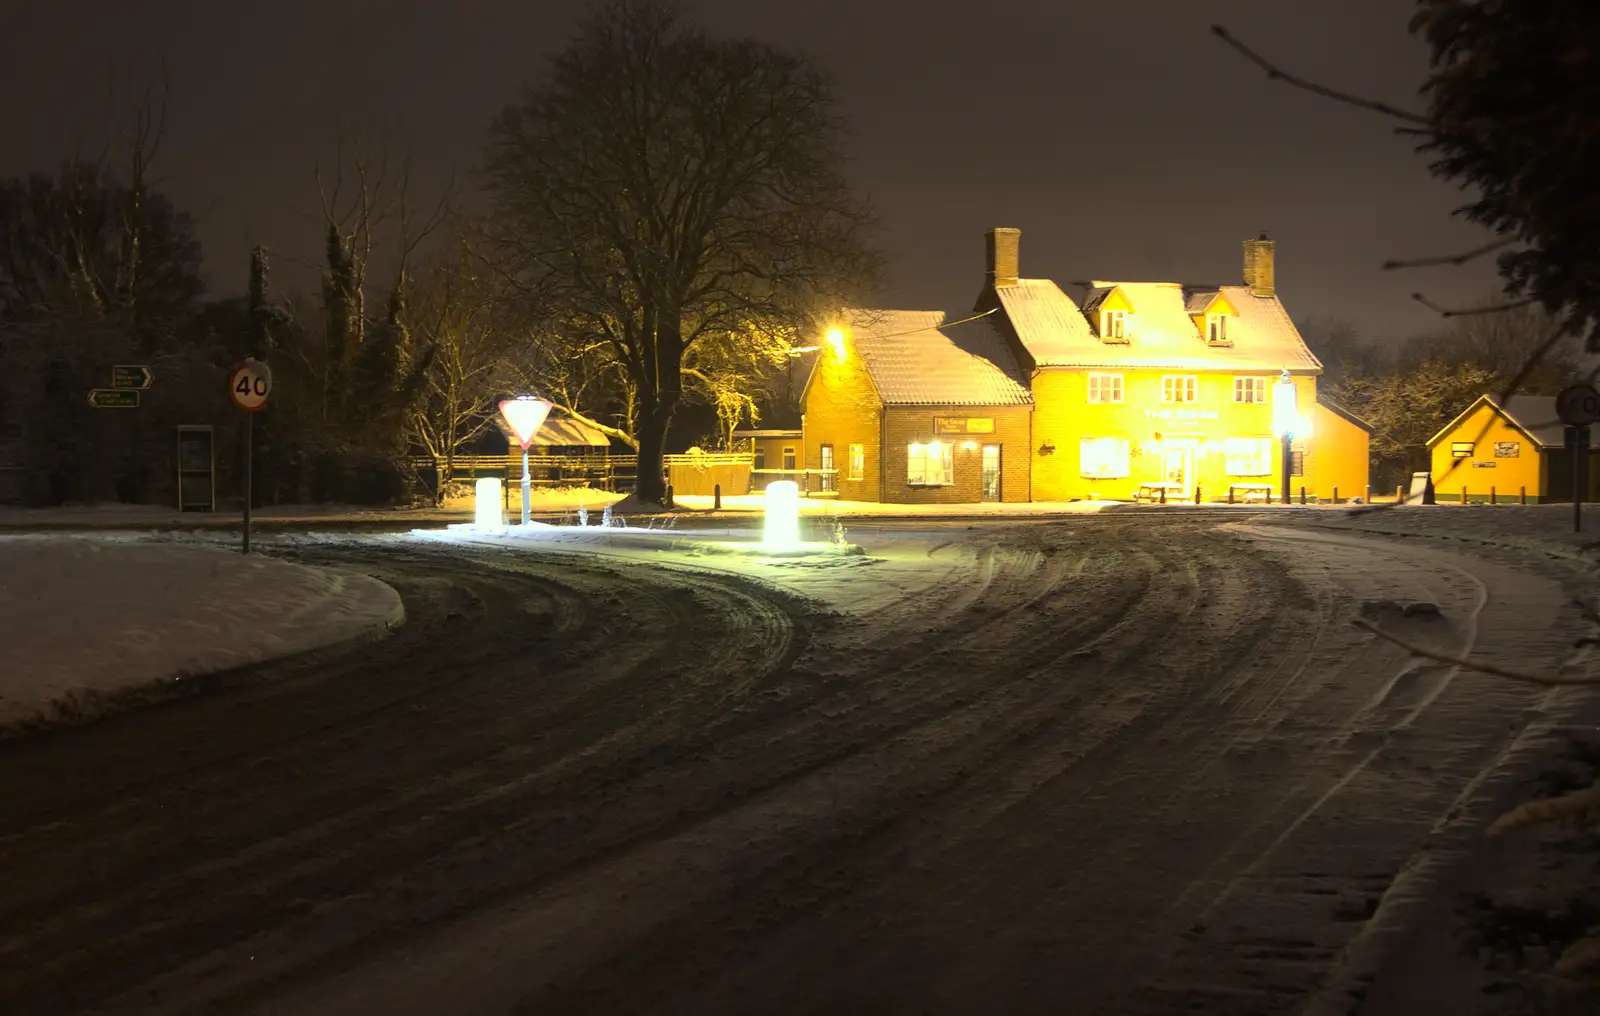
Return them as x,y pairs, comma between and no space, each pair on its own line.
249,386
1577,441
525,415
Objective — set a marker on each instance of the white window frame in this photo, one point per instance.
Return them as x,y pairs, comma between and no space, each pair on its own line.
1103,458
1105,388
1248,456
1113,324
857,462
1216,328
1180,389
1253,387
920,472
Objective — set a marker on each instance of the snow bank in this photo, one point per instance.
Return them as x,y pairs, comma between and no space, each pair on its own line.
84,620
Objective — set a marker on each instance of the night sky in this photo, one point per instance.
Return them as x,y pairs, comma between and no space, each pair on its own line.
1122,138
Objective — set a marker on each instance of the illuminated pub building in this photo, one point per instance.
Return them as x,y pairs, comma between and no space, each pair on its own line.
1135,389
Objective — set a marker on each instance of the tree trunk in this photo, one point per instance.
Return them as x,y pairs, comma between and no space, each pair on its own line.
651,484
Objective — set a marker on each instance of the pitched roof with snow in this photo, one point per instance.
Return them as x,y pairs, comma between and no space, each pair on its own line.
559,432
1161,334
915,358
1534,415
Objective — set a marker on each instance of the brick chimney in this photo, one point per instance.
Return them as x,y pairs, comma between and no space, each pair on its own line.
1000,244
1259,271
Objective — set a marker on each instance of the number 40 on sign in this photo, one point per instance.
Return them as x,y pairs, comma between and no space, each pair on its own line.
250,385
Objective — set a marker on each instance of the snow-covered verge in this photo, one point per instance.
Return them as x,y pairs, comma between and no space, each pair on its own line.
1486,926
91,624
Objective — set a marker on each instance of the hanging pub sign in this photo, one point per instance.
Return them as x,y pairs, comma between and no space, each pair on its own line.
963,425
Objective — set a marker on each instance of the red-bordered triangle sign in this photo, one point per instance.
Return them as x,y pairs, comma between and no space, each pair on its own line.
525,415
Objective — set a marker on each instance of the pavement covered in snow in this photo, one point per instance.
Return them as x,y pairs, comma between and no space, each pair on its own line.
85,621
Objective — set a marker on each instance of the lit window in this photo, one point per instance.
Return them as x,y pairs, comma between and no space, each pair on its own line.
930,465
858,461
1178,388
1103,458
1113,324
1216,328
1248,456
1461,449
1250,390
788,458
1105,387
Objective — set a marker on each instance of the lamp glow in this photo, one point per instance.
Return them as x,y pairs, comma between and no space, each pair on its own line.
1285,418
487,503
836,340
782,522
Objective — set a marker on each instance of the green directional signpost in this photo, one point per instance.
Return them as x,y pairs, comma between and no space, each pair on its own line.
125,375
114,398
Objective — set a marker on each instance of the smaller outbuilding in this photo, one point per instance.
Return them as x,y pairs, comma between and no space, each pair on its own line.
1506,451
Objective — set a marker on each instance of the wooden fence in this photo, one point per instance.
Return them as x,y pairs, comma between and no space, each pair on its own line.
605,472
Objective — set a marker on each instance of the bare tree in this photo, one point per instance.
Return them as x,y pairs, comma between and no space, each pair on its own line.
661,189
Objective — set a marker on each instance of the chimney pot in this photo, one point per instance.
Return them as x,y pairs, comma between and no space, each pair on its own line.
1001,245
1259,270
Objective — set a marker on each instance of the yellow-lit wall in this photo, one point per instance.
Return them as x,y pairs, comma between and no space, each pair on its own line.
1340,458
1506,475
842,408
1063,415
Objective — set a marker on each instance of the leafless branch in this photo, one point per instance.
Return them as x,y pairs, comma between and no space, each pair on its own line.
1450,259
1543,680
1276,73
1446,312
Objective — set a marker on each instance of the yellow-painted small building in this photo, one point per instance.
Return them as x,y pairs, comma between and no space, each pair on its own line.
1141,389
1505,452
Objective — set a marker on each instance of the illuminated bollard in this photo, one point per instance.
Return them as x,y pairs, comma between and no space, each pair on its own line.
782,523
486,505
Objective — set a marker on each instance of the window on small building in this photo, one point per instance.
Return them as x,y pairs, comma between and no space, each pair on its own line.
1105,387
1251,391
858,462
1248,456
1217,328
788,457
931,464
1297,462
1461,449
1103,458
761,457
1113,324
1178,388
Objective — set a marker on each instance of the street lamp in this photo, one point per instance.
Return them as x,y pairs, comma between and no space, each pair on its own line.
525,415
1287,424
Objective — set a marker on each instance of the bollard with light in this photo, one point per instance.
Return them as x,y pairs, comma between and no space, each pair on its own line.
487,512
1287,425
525,415
781,526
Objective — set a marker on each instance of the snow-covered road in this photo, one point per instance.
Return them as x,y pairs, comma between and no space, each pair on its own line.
1136,764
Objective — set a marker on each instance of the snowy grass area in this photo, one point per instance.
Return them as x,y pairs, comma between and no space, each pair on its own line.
88,621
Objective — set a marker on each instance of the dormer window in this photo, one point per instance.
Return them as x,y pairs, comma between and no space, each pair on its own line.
1217,329
1114,325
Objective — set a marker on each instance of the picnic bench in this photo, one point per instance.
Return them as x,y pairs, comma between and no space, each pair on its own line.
1154,492
1248,492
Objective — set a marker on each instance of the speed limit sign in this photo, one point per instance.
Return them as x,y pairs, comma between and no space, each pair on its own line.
1578,405
249,386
